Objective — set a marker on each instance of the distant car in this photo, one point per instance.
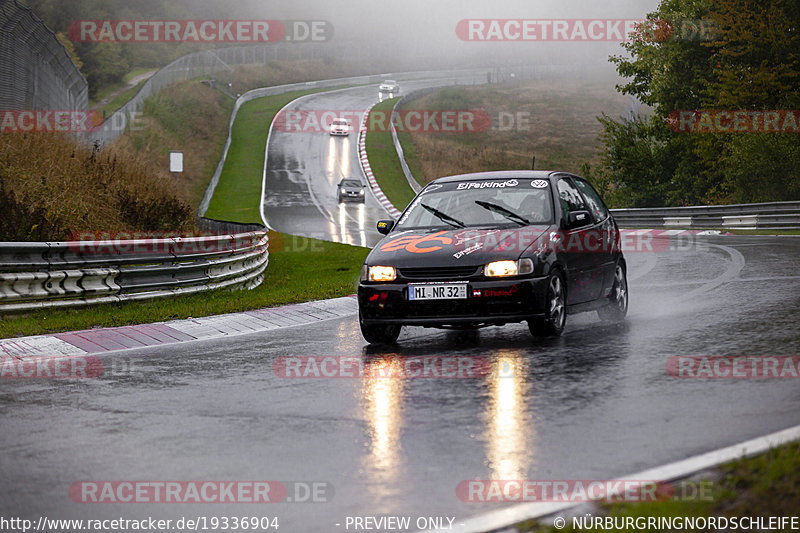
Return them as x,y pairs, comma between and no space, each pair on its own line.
340,126
494,248
389,86
351,189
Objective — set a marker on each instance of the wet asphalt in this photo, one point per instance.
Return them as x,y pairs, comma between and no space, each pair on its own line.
597,403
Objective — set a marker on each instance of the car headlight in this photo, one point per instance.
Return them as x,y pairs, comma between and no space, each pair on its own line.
506,268
381,273
361,192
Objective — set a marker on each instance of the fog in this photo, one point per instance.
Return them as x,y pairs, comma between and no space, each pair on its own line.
422,34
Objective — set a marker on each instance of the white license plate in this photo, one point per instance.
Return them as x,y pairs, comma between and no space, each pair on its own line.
438,291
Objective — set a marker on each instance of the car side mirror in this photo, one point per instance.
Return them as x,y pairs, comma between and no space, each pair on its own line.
578,219
385,226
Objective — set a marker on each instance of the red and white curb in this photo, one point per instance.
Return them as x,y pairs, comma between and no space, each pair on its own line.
106,340
365,167
546,511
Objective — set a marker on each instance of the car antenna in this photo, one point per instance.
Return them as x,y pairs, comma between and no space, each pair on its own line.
533,163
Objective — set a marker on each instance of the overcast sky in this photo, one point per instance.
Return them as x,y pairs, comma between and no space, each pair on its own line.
409,29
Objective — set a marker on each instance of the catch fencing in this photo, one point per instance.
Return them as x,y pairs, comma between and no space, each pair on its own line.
36,72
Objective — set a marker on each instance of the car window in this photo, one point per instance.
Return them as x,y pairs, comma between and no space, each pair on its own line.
571,199
529,199
596,205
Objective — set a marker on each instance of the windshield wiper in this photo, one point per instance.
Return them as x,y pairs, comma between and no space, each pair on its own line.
444,217
519,219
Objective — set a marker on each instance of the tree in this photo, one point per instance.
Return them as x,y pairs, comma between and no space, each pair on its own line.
751,60
756,54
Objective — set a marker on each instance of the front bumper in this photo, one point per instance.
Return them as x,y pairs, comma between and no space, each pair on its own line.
340,132
494,302
351,198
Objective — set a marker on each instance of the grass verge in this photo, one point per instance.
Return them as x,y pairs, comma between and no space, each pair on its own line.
121,99
555,121
243,171
300,269
767,485
384,160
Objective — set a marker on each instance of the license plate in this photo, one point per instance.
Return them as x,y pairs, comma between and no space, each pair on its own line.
438,291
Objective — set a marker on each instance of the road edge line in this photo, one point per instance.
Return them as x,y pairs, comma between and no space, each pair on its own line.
504,518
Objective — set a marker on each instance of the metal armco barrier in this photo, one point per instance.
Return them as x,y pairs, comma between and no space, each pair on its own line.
58,274
769,215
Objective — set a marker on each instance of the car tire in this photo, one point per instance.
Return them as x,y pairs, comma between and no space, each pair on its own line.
617,307
555,319
380,333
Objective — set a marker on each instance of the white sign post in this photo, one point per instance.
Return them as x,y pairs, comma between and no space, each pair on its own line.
175,161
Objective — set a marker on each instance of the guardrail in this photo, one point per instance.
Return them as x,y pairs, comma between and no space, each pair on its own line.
768,215
398,147
37,275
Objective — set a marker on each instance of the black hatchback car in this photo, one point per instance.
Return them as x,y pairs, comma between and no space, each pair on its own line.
493,248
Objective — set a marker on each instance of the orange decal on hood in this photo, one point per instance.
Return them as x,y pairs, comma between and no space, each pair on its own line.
415,243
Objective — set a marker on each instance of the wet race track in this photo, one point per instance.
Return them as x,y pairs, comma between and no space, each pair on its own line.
304,168
597,403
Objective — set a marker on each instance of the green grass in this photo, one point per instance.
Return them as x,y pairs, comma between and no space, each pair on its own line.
765,485
121,99
385,163
555,122
412,157
108,89
300,269
243,171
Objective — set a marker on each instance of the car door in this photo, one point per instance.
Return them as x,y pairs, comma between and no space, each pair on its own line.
606,254
580,241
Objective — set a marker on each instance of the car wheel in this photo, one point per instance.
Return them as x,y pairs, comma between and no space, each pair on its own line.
617,306
380,333
555,319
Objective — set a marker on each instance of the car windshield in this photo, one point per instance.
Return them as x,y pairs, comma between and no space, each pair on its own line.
480,203
340,122
351,183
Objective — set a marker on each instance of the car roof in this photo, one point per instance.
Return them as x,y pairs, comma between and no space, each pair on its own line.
499,174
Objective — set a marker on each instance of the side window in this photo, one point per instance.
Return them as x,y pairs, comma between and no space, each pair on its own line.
596,205
571,199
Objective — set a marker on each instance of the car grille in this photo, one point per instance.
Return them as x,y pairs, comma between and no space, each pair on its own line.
440,272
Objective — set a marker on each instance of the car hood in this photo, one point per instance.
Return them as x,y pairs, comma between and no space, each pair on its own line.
445,248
